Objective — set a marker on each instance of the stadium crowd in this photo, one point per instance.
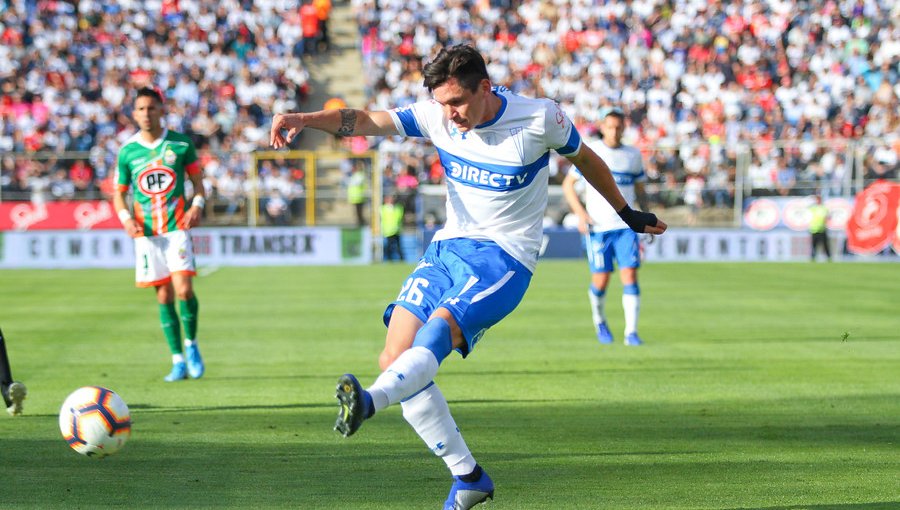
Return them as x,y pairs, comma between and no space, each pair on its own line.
68,69
795,79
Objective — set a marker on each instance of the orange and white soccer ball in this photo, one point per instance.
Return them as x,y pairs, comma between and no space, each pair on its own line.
95,421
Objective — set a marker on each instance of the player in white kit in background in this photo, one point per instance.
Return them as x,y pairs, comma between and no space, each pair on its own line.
607,237
495,148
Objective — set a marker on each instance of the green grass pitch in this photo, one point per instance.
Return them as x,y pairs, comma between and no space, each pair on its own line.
764,386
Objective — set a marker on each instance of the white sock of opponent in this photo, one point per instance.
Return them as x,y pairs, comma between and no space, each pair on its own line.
429,415
598,302
409,373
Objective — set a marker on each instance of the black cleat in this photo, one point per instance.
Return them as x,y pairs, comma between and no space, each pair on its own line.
354,405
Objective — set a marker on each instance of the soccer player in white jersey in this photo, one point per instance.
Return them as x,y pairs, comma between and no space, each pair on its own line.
606,235
495,147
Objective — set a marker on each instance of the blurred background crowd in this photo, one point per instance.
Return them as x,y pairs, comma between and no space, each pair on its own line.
795,81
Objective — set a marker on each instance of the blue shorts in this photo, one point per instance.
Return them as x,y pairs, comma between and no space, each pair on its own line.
603,246
476,281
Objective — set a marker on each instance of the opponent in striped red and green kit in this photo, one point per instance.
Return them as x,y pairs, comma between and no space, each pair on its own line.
154,163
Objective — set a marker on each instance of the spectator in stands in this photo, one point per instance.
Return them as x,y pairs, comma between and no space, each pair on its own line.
694,186
356,191
277,210
310,22
407,184
73,97
744,73
61,187
229,189
391,226
38,182
323,12
82,177
818,228
734,70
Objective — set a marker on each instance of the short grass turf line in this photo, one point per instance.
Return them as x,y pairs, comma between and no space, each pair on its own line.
746,396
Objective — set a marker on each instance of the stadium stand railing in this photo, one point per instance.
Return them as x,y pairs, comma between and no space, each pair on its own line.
698,184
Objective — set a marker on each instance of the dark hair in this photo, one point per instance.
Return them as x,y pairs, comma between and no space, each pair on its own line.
462,62
149,92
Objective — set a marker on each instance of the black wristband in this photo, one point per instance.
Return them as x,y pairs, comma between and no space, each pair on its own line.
637,220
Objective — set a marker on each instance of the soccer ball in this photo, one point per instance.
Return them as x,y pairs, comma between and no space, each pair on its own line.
95,421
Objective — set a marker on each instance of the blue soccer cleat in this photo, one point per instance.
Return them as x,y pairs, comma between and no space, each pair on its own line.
604,336
633,339
179,372
194,362
356,405
465,495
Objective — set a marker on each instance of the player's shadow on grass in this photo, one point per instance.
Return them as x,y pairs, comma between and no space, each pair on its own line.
835,338
255,407
600,370
893,505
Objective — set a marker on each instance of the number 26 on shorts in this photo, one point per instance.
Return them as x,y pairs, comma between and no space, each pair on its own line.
411,291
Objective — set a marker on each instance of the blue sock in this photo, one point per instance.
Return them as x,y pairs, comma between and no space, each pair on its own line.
370,406
435,336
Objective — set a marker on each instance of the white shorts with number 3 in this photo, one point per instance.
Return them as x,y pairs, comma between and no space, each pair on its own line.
156,258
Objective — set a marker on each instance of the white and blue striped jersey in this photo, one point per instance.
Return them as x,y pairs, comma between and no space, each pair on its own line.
627,168
496,173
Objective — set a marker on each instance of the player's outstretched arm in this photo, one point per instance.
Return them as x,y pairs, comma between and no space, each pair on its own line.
597,174
343,122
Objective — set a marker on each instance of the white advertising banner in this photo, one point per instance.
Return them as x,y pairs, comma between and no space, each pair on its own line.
725,245
70,249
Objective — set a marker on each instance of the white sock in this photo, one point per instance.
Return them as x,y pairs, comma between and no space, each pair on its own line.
598,303
409,373
429,416
189,342
631,303
177,358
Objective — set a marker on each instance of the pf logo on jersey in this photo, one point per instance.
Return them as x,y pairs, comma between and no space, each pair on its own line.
156,180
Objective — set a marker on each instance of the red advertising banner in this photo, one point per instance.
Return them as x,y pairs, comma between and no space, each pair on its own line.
793,212
873,224
73,215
